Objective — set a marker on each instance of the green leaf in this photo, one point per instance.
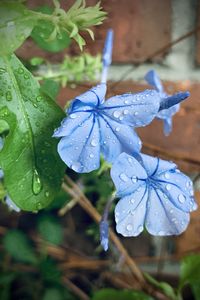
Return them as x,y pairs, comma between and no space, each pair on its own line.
18,246
50,88
190,274
16,25
44,29
50,229
112,294
29,159
53,294
166,288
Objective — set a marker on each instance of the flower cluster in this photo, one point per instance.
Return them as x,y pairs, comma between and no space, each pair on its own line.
153,192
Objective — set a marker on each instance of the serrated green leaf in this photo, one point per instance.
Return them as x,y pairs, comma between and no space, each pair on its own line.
50,229
16,25
43,31
29,159
17,245
112,294
190,273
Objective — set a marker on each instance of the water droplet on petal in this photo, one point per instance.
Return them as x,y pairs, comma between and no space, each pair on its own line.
140,228
161,232
73,116
94,143
135,113
129,227
181,198
117,129
91,155
126,112
123,177
188,184
76,166
117,114
134,179
168,187
167,176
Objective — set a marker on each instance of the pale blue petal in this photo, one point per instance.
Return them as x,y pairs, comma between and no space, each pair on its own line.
127,174
107,51
81,149
167,113
1,174
178,188
104,233
94,97
133,109
116,138
155,166
11,204
167,126
71,123
153,79
162,217
130,212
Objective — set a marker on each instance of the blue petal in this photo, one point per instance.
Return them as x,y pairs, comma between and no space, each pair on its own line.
155,166
11,204
104,232
167,113
127,174
116,138
152,78
133,109
178,189
167,126
170,101
71,123
81,149
1,174
130,212
107,51
162,217
95,96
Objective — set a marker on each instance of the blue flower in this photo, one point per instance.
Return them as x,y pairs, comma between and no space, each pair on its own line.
165,114
107,55
154,194
95,126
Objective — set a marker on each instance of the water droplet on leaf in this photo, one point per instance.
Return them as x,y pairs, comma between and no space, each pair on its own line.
37,184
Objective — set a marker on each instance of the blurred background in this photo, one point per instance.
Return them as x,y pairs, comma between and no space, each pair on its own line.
55,254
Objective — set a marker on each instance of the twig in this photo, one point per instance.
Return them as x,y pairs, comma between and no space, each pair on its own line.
76,290
67,207
86,204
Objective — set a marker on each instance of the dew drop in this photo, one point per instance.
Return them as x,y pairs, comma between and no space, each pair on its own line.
36,184
126,102
167,176
39,98
191,192
121,118
20,71
35,105
135,113
117,129
39,206
140,228
73,116
132,201
47,194
168,187
94,142
2,71
8,96
91,155
134,179
123,177
188,184
76,166
126,112
161,232
129,227
181,198
117,114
